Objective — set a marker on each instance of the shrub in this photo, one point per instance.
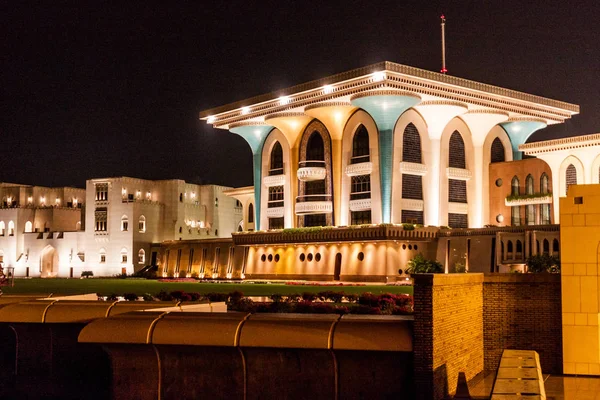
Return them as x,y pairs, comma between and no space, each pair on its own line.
130,296
351,298
112,297
421,265
147,297
460,267
87,274
164,296
543,263
408,227
306,296
217,297
276,298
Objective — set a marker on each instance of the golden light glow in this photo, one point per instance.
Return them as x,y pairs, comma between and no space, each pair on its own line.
378,76
327,89
245,110
283,100
210,120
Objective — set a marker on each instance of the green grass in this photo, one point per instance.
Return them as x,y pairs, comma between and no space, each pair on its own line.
139,287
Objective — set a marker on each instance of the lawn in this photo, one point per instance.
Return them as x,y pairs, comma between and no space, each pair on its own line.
139,287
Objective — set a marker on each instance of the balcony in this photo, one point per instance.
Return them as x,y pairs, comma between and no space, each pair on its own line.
528,199
314,204
275,212
410,168
360,204
274,180
311,171
412,205
459,174
363,168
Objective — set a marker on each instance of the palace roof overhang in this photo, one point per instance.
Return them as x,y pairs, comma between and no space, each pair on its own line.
430,87
569,143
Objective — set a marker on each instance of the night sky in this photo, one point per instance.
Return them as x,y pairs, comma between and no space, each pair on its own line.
116,91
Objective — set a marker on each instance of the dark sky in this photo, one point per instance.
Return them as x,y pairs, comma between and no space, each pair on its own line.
115,90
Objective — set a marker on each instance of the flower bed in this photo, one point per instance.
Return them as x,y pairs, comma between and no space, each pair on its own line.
303,283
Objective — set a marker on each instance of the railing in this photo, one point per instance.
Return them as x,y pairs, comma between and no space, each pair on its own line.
360,159
276,171
311,163
313,197
275,203
360,195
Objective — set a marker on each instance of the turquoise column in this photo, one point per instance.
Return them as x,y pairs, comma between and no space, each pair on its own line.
385,110
518,133
255,135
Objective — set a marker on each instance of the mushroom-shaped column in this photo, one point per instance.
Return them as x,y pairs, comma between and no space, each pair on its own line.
519,130
480,122
437,114
386,107
254,134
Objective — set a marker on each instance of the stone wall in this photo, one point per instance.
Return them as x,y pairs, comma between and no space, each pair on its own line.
448,331
523,311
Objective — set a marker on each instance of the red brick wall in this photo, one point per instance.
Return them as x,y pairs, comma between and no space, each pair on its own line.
523,311
448,331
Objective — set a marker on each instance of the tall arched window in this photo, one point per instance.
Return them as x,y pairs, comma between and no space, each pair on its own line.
315,150
456,150
141,256
546,247
360,146
412,185
411,144
497,153
251,213
555,246
28,226
2,228
529,184
544,183
124,223
142,224
276,166
11,228
571,177
514,184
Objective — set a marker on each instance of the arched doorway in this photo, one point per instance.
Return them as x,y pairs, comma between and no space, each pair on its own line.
338,267
49,263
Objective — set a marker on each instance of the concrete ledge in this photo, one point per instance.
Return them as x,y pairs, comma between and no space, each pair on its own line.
133,327
447,279
198,329
28,311
374,332
521,278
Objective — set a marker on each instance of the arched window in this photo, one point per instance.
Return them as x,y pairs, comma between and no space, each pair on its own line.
514,184
11,228
411,144
276,167
555,246
360,146
251,213
509,247
546,247
497,151
102,256
519,246
515,216
2,228
142,224
124,223
544,184
571,176
537,247
502,250
529,184
123,255
141,256
28,227
456,149
315,150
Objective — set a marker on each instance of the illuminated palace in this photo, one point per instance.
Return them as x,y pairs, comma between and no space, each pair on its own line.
363,152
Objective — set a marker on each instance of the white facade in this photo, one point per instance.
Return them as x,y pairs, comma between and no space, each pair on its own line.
107,228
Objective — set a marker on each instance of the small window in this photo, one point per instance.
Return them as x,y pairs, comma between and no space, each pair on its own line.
318,257
142,224
578,200
141,256
302,257
263,258
123,255
102,258
270,257
124,223
276,257
181,197
309,257
499,218
499,182
361,255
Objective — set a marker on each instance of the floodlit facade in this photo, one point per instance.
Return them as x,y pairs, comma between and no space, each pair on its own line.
382,144
108,228
356,154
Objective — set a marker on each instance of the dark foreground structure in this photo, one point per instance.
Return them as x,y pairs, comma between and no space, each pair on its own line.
144,350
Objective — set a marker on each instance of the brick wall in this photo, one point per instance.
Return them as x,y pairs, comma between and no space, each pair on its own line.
448,331
523,311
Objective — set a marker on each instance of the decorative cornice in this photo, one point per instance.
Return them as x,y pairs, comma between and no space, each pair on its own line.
412,205
247,123
274,180
275,212
526,119
360,205
486,111
386,92
311,173
410,168
287,114
328,104
529,201
364,168
575,142
459,174
458,208
314,207
442,103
